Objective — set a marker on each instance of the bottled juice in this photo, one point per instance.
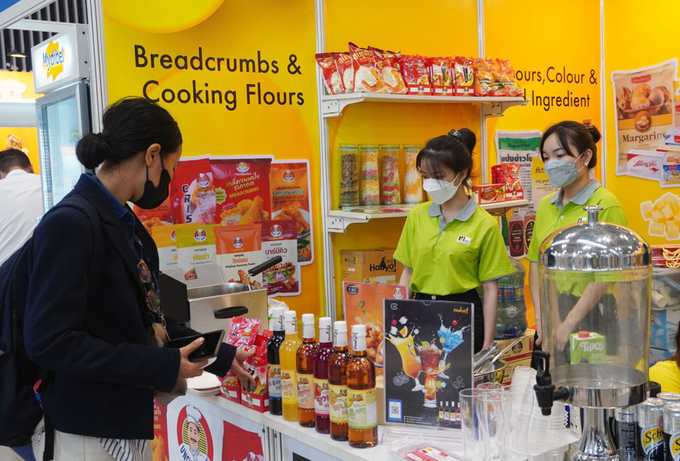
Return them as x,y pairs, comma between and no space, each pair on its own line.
337,382
362,407
321,390
287,356
274,379
305,372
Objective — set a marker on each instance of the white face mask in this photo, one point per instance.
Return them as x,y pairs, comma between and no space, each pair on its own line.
440,191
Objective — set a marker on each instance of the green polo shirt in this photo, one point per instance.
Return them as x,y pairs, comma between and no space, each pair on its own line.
455,257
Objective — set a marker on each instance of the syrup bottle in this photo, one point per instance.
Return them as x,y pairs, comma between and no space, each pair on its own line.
274,374
287,356
321,388
337,382
305,372
362,407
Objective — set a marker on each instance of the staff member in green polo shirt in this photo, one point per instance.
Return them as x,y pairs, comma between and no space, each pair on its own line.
450,246
569,152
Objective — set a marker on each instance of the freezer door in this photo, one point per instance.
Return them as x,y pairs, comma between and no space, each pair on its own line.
63,118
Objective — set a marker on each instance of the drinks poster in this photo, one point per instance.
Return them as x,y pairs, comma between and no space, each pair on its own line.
428,360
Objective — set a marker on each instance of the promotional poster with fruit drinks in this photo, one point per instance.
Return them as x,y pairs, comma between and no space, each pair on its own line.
291,200
362,303
428,360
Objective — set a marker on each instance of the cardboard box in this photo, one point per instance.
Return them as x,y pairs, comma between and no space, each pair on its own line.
519,355
659,355
229,390
512,364
489,193
664,326
587,347
646,164
369,266
257,402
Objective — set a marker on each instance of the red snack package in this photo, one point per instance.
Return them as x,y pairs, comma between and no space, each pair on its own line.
160,216
242,189
192,192
513,188
367,73
440,70
464,73
343,62
331,76
499,173
483,78
416,75
511,88
257,396
242,333
393,80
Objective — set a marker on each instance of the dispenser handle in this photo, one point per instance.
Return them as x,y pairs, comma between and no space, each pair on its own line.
229,312
593,213
542,360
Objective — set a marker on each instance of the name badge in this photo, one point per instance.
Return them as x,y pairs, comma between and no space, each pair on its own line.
464,240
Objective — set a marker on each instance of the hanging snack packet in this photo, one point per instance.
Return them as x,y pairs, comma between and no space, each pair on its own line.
291,200
195,247
464,76
483,78
160,216
442,82
279,238
242,190
393,80
416,75
192,192
343,62
367,73
331,76
239,250
167,248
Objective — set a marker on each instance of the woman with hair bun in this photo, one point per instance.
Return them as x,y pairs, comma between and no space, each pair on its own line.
450,245
569,151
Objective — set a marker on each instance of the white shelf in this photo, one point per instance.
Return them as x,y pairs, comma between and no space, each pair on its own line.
339,220
333,105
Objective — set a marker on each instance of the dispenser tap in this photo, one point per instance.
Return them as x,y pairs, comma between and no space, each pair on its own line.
545,390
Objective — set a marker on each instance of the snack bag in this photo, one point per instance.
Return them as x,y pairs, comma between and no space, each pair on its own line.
331,76
511,88
165,237
239,250
393,80
279,238
257,396
242,333
484,85
442,83
343,62
195,247
242,190
160,216
291,200
416,75
508,174
464,76
192,192
367,72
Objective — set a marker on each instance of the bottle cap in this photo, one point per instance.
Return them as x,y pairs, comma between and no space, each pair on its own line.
325,330
583,334
308,326
308,319
277,319
358,338
340,333
340,325
290,321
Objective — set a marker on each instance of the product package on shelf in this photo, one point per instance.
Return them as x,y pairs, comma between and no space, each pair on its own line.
367,73
393,79
343,61
195,250
279,238
664,327
486,77
349,175
331,77
413,181
370,266
490,193
416,75
508,174
242,189
291,201
239,249
428,360
257,396
165,238
192,192
160,216
464,73
362,304
391,187
370,180
242,333
510,87
442,76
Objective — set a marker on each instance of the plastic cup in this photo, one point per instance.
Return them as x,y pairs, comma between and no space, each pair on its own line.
494,410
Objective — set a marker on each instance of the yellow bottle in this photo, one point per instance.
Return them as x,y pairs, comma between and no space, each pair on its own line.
287,358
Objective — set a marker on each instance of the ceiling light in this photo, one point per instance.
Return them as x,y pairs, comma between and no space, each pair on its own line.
16,53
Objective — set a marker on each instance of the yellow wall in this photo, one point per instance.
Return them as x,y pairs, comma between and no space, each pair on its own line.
30,137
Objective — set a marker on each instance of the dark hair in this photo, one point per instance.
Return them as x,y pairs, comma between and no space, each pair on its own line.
11,158
582,137
131,125
452,150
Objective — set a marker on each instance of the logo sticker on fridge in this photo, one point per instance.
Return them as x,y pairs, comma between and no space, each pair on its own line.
53,60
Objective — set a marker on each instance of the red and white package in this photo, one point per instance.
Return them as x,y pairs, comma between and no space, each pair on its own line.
442,76
331,76
416,75
508,173
279,238
393,80
343,62
367,73
192,192
242,333
464,72
510,86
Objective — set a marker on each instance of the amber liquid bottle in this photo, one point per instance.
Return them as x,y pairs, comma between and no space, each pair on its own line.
337,382
321,389
305,372
362,406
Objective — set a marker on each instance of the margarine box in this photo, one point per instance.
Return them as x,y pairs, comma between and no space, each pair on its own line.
646,164
587,347
659,355
370,266
664,326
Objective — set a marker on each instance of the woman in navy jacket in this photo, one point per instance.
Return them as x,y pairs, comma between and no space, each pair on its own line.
93,295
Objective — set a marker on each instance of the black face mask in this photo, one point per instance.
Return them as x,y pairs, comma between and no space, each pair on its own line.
154,196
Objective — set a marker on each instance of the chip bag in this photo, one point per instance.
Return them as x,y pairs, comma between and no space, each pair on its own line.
331,76
442,77
279,238
367,73
464,73
343,62
242,190
510,86
416,75
291,200
393,80
195,247
484,85
192,192
162,215
239,250
165,237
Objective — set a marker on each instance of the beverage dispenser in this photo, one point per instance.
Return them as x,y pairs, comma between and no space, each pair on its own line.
595,299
